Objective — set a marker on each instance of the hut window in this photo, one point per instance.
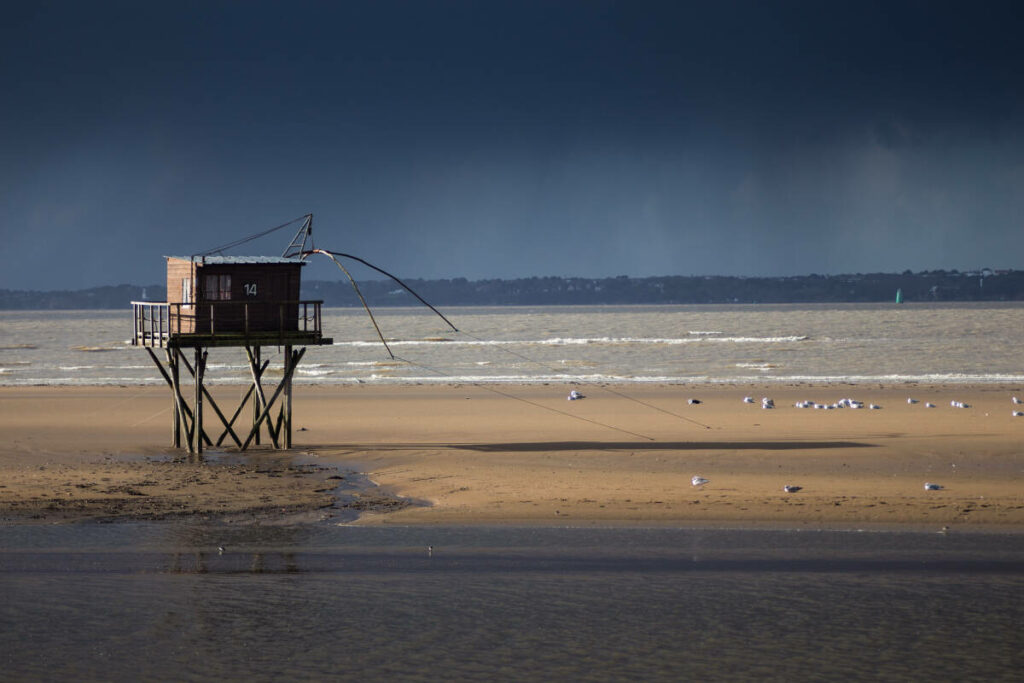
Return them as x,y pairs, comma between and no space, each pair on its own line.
186,290
218,287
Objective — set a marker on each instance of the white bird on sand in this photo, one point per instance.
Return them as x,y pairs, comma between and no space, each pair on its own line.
911,401
767,403
694,401
791,489
928,486
698,480
875,406
1017,413
1016,401
748,399
575,395
220,550
929,405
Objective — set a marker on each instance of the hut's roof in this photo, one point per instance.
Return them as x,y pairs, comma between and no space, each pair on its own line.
237,260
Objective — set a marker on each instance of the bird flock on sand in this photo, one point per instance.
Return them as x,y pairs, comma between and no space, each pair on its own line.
769,404
849,403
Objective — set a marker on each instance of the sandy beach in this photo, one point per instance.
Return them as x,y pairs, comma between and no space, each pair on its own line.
523,454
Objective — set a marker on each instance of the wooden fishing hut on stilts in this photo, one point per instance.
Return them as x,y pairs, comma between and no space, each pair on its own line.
248,302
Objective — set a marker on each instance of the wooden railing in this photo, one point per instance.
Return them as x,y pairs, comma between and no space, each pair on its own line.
157,323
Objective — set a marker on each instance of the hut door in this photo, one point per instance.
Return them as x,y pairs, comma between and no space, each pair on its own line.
280,308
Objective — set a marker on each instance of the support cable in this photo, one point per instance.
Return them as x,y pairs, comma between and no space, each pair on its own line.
600,386
529,402
250,238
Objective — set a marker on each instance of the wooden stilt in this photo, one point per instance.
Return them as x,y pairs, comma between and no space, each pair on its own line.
197,415
182,409
172,363
216,409
277,392
286,406
259,401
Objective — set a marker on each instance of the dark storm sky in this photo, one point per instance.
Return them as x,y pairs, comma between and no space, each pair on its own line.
511,139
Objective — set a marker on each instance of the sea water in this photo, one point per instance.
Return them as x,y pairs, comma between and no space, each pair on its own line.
858,343
160,601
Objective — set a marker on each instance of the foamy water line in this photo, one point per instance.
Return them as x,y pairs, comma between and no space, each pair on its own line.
940,344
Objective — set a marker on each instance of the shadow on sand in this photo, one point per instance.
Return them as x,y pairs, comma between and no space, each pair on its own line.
541,446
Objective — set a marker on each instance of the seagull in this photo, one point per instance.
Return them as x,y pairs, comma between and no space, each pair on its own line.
694,401
791,489
911,401
875,406
748,399
220,550
1017,413
929,405
575,395
928,486
767,403
430,551
1016,401
698,480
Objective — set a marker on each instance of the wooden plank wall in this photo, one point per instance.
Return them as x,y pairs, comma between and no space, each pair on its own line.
262,285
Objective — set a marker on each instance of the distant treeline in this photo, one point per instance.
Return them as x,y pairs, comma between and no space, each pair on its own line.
939,285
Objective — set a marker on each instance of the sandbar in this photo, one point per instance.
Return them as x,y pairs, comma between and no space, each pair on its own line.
522,454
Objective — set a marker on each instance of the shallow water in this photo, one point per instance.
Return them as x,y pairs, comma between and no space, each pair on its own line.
937,343
158,601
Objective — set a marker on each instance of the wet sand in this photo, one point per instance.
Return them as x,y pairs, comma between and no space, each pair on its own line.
525,455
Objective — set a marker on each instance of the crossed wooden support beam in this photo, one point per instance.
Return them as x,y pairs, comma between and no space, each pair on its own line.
189,420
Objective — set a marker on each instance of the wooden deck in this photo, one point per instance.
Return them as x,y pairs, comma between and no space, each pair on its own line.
227,323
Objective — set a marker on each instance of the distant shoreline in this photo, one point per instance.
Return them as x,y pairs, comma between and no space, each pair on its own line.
930,286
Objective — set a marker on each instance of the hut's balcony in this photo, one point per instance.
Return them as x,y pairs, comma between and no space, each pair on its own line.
227,323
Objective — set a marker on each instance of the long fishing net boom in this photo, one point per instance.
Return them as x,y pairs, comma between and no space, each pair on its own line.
302,247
